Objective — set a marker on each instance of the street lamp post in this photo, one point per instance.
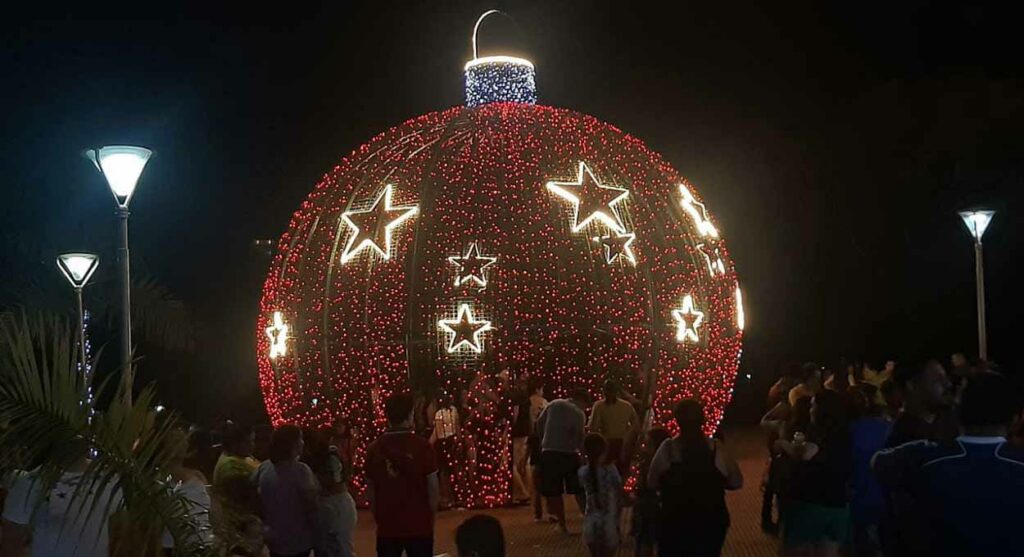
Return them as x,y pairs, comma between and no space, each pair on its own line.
122,165
78,269
977,221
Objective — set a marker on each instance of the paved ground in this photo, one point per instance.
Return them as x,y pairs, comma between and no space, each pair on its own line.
524,538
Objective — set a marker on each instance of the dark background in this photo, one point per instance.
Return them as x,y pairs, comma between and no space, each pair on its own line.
832,141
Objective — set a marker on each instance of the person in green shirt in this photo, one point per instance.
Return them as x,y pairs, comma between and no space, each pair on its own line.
616,420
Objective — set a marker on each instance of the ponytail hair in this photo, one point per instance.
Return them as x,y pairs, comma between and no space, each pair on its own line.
594,447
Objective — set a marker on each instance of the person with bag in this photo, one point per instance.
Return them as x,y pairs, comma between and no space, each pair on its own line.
691,474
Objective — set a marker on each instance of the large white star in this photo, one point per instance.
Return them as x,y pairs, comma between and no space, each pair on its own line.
278,335
465,330
372,227
590,200
687,320
472,266
698,213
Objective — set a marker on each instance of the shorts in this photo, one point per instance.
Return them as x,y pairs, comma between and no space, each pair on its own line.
807,523
558,473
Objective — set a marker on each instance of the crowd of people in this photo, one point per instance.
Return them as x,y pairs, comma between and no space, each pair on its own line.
894,460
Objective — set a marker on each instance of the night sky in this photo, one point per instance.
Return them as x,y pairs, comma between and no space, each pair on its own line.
832,141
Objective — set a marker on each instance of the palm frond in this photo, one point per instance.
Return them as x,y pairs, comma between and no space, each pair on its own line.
40,403
161,318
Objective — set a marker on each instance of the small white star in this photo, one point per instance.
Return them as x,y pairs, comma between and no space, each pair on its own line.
465,330
687,320
472,266
278,335
618,245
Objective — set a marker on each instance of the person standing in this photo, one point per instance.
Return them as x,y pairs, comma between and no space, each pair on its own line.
445,440
691,474
560,427
55,524
403,485
971,491
816,519
521,429
603,486
868,432
337,508
617,421
646,508
809,385
927,403
189,484
537,405
288,496
235,466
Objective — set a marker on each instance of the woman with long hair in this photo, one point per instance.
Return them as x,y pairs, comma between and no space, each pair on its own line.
603,486
337,508
288,496
816,520
691,473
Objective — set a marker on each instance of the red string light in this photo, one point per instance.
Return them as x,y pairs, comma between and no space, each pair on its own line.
360,330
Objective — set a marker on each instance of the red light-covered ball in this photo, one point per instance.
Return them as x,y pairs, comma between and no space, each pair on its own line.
503,235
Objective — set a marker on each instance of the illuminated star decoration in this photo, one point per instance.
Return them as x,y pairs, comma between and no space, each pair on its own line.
698,213
465,330
591,200
373,226
713,259
278,335
472,266
687,320
618,245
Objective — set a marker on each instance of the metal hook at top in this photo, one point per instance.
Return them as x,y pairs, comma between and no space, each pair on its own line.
480,20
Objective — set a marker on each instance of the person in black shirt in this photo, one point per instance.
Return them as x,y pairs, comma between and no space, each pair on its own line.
816,520
521,429
971,492
927,404
927,415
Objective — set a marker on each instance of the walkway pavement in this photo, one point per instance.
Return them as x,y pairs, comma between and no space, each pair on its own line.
526,539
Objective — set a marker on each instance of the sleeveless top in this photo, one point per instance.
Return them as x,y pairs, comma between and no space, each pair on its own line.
692,491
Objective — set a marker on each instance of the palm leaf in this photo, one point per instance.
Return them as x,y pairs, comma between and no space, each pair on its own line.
40,401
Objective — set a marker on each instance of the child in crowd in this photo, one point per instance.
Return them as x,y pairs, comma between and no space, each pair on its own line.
645,509
603,486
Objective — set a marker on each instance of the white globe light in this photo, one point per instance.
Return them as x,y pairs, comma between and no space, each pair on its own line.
78,267
976,222
121,165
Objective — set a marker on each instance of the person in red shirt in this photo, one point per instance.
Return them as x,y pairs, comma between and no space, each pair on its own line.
403,487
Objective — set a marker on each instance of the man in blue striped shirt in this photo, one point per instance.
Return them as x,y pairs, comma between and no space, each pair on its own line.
971,491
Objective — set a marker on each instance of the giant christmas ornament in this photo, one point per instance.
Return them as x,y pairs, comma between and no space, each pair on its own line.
498,235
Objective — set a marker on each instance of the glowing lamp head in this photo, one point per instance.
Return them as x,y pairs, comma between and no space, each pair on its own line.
121,165
78,267
977,222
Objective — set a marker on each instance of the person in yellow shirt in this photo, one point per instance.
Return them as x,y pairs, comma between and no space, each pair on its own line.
235,466
616,420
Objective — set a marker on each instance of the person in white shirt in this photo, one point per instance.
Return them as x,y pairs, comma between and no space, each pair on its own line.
58,524
189,484
445,439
